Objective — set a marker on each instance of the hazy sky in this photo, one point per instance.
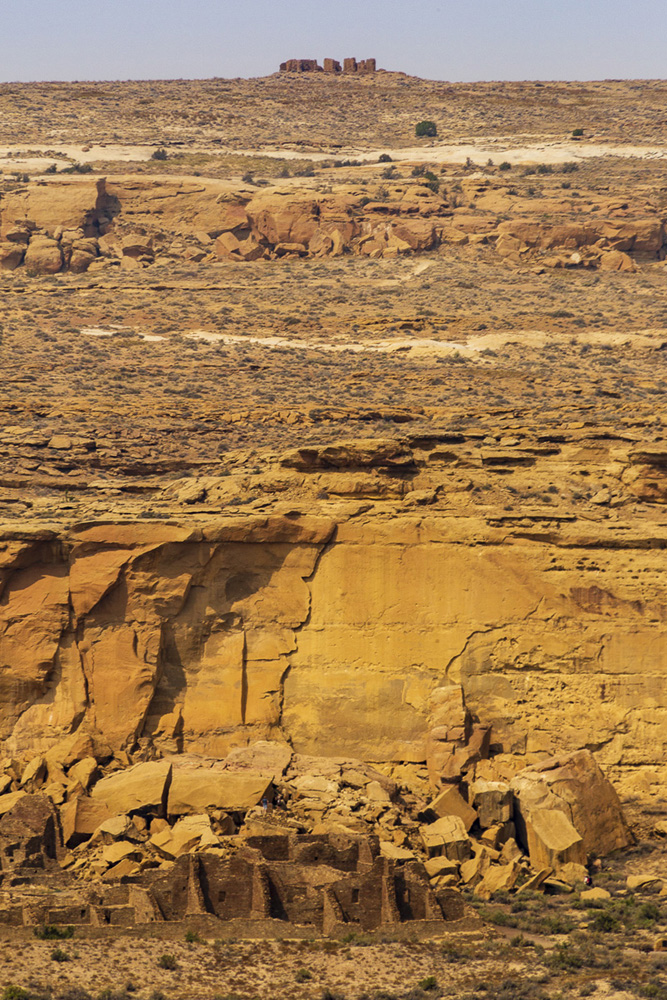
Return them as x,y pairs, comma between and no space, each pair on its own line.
438,39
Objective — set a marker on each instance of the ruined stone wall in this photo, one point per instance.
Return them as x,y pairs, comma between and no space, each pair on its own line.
350,65
334,636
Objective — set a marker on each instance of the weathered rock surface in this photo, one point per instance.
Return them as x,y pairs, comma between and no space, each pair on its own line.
144,786
574,788
132,222
248,628
194,789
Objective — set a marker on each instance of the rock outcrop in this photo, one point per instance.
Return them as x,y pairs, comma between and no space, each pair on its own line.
135,222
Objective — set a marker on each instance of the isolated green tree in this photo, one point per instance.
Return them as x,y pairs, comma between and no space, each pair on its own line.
426,128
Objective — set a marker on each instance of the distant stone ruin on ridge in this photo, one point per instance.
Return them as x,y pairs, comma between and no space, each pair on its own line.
330,66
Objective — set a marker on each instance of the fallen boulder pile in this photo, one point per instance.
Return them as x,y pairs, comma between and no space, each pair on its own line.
107,818
111,223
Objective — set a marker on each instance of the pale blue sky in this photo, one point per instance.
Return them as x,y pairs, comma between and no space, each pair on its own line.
438,39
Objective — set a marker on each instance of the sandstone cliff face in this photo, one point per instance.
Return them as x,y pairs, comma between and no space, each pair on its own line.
334,636
130,632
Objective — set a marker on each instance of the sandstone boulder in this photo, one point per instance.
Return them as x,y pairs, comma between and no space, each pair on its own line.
61,204
137,245
450,802
230,217
189,833
396,853
552,841
574,785
80,261
645,882
143,786
9,800
264,756
195,789
595,895
493,801
616,260
448,836
83,772
11,256
437,866
16,234
80,817
43,257
416,234
498,878
284,217
474,870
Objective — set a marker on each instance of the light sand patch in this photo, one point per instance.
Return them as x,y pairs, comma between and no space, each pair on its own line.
537,152
555,152
114,331
475,348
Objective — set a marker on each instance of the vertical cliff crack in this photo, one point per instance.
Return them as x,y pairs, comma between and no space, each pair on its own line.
244,679
328,544
473,635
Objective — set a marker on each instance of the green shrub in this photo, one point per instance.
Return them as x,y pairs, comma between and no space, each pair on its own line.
564,957
50,932
160,154
558,924
569,167
389,172
193,938
14,993
430,983
384,158
78,168
577,133
605,922
51,169
505,165
303,975
648,914
167,962
544,168
58,955
426,128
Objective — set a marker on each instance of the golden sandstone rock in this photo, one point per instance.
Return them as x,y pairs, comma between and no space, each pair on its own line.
68,224
143,786
574,786
271,630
